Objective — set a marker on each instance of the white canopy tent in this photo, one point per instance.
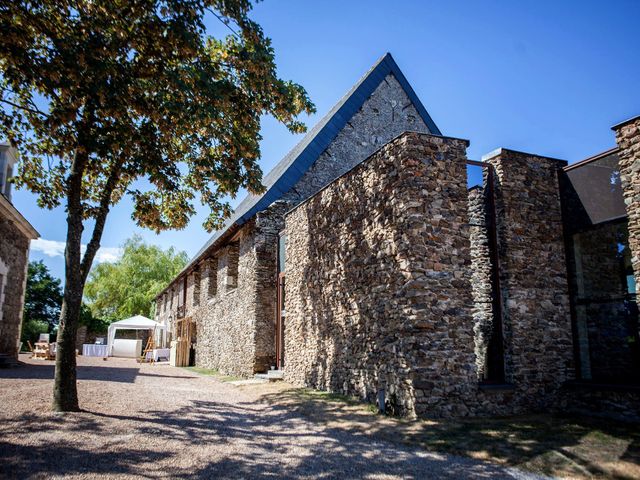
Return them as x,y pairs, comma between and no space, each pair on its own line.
137,322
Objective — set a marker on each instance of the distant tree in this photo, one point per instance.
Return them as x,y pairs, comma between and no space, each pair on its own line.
31,330
129,286
109,98
94,324
42,301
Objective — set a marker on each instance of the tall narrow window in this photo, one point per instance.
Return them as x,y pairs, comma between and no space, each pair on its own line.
196,287
212,276
485,276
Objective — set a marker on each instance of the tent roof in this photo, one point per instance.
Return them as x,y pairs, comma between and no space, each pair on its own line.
137,321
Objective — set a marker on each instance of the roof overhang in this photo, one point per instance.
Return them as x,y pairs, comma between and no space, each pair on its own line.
294,165
10,212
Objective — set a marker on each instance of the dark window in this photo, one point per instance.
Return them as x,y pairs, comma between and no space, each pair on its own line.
604,304
212,272
196,287
233,259
603,291
282,240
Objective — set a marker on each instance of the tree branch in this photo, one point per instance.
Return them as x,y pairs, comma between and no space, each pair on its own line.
101,218
26,109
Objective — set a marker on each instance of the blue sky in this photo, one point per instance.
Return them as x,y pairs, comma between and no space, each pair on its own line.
539,76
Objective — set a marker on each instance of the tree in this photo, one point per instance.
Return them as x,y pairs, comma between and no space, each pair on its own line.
133,97
42,301
43,295
129,286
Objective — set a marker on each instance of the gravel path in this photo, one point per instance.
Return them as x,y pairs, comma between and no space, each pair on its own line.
161,422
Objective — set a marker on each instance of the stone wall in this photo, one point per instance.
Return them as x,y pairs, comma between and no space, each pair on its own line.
225,321
378,293
231,297
14,254
628,139
481,271
386,114
533,280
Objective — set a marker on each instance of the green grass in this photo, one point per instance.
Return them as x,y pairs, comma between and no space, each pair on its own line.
213,373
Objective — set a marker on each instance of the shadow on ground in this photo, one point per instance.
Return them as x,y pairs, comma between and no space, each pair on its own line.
545,444
85,372
243,443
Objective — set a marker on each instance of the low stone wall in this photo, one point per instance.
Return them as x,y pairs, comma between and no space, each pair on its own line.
14,253
378,293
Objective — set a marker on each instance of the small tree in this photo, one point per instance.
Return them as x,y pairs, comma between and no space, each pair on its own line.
129,286
108,98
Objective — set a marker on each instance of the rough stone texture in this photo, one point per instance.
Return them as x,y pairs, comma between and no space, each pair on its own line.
14,254
236,327
235,307
628,139
378,292
384,116
481,270
533,279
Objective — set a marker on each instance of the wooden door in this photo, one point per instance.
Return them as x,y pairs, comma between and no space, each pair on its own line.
183,342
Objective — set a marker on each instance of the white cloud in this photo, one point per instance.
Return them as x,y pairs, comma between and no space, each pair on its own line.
54,248
108,254
50,248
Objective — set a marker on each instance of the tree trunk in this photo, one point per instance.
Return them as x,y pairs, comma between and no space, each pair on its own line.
65,392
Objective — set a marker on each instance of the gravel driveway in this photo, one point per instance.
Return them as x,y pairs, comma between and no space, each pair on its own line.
156,421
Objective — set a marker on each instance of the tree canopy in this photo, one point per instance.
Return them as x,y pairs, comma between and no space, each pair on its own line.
129,286
42,301
43,296
106,98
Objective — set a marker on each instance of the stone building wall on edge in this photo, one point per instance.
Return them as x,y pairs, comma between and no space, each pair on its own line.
378,293
14,253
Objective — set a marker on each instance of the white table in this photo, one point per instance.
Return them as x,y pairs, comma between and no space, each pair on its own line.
158,353
91,350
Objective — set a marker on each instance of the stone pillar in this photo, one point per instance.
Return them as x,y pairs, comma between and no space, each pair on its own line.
533,276
628,140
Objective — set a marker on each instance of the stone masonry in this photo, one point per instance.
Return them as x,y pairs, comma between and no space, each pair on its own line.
481,271
378,292
533,280
628,139
236,325
14,255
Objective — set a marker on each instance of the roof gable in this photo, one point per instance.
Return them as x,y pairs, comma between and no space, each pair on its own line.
296,163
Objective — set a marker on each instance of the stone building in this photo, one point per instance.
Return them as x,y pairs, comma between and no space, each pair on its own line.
381,261
15,234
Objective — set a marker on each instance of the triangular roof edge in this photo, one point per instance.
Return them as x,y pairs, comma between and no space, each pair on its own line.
296,163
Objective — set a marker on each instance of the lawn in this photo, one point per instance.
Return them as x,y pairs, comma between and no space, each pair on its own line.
567,447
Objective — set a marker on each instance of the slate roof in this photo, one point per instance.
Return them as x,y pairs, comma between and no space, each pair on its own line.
294,165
